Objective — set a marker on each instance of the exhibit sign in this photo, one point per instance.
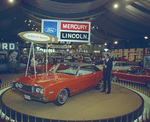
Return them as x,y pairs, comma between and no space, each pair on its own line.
72,31
60,46
37,37
8,46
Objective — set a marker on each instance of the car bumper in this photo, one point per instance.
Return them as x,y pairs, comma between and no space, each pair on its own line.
31,96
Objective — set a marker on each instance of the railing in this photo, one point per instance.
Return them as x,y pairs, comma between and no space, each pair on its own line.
10,115
145,117
7,80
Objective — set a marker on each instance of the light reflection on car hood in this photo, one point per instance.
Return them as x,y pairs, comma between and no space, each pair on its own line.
44,79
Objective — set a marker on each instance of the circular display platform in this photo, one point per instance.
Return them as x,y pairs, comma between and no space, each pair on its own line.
89,105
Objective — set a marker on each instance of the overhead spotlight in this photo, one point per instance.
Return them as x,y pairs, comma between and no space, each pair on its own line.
115,42
11,1
93,27
116,5
145,37
29,20
25,21
105,49
105,44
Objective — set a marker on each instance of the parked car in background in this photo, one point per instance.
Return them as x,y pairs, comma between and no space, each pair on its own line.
87,60
119,65
62,80
134,74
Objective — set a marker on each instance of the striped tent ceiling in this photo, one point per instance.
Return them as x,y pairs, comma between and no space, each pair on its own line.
130,21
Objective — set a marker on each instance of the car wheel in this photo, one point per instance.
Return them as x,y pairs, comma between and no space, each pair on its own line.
148,84
99,85
61,97
114,78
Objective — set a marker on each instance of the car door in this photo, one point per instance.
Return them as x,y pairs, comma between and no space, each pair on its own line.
86,75
80,81
140,77
131,75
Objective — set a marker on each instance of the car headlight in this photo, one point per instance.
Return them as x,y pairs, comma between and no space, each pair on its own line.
42,91
17,85
39,90
20,85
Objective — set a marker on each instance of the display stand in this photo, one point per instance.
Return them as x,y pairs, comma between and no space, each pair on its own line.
37,37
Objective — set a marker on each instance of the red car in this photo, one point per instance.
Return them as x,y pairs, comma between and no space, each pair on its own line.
62,80
134,74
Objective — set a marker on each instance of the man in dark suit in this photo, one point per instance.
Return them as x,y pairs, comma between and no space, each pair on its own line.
107,67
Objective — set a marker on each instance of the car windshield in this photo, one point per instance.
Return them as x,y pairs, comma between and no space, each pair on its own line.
64,69
121,64
125,64
132,70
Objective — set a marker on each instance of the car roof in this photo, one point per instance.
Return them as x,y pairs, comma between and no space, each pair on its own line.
76,64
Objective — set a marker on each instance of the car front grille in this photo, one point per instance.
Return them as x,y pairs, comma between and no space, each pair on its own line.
28,88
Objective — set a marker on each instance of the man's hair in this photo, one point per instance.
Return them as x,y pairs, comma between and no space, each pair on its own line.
107,55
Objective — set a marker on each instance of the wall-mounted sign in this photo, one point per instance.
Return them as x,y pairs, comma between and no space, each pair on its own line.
8,46
73,31
37,37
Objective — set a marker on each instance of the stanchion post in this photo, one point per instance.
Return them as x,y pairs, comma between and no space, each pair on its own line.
121,82
10,115
21,117
146,115
132,117
149,114
139,87
15,116
142,117
1,111
127,118
42,120
5,114
28,119
121,119
138,117
0,108
129,84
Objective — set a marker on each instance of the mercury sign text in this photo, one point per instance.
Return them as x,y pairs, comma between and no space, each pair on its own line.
74,26
8,46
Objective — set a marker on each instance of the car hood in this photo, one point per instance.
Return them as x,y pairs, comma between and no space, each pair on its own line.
45,79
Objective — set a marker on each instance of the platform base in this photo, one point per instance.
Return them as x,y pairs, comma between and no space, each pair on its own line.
87,106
